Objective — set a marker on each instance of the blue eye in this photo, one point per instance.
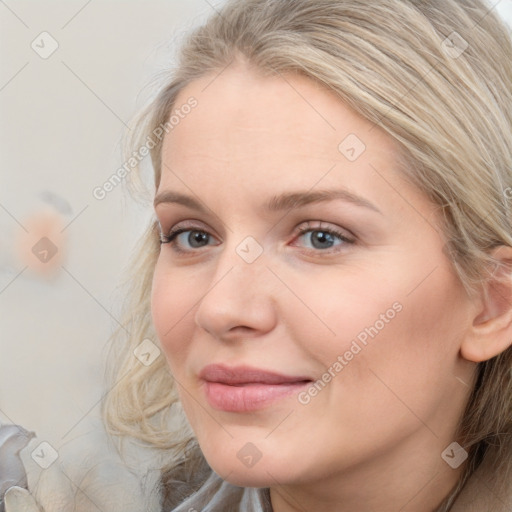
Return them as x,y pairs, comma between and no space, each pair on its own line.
323,239
188,238
317,239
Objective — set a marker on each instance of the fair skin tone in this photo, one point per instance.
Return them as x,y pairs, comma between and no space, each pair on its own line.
372,437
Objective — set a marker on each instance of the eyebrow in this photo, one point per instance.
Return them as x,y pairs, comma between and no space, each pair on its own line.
285,201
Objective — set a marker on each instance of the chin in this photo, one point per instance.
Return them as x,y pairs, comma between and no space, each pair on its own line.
238,468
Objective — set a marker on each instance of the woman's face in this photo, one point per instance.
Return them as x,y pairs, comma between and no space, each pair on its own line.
306,308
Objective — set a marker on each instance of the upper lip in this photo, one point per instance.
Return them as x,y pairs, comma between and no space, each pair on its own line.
236,375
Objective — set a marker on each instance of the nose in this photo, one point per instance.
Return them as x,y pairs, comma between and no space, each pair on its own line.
240,301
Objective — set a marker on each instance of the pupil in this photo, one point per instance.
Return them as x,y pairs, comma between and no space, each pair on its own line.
197,239
322,240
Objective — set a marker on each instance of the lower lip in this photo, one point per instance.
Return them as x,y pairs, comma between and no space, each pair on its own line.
248,397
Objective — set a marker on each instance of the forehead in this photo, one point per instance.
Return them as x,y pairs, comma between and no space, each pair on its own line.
254,114
254,135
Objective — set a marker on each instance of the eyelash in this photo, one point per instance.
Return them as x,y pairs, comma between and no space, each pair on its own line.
170,238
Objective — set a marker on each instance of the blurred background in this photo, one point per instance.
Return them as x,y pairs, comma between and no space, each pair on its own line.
71,77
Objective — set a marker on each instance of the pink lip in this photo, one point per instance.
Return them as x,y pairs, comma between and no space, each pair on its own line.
244,389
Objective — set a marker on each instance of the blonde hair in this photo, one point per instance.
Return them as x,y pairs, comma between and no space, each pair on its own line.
404,66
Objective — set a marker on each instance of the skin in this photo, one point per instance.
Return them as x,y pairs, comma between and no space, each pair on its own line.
372,439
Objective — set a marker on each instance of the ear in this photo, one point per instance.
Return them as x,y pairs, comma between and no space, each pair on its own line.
491,331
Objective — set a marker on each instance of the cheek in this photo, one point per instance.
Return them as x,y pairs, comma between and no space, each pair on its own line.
171,305
174,299
342,309
411,361
404,332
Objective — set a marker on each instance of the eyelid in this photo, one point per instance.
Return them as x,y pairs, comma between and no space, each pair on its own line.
325,226
192,224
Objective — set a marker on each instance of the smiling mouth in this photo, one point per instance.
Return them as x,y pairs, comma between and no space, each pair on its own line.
245,389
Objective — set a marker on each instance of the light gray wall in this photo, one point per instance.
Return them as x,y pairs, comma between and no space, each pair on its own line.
61,120
505,9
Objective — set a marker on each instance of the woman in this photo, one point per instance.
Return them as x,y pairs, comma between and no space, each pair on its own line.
325,290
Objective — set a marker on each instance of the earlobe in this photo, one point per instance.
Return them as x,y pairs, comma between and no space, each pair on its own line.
491,331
